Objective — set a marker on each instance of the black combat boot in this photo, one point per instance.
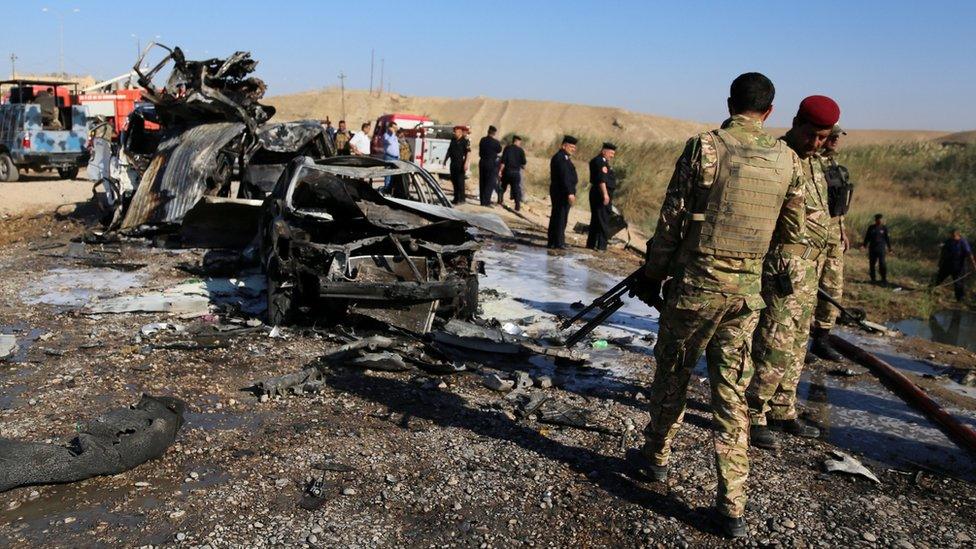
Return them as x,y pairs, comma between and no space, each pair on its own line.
795,427
821,346
644,469
731,527
761,437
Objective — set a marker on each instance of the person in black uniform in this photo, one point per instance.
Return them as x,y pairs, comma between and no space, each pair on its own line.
457,153
602,185
878,243
488,150
510,171
562,191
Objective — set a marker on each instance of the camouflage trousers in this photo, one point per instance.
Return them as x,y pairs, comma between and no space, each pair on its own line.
693,322
780,343
832,281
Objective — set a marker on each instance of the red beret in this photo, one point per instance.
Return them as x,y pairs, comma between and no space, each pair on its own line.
819,110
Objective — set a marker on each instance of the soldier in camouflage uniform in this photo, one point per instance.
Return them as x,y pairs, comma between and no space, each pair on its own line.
791,274
730,190
839,192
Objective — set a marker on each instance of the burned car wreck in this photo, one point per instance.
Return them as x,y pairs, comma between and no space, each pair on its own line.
332,245
212,127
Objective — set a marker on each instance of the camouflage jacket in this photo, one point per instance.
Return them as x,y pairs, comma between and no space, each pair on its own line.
817,226
694,172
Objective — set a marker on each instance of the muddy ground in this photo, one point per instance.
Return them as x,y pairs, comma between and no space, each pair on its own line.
408,458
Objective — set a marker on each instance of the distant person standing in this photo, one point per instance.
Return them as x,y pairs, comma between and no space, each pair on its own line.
329,130
510,172
406,152
602,184
878,243
956,254
342,138
488,150
562,192
457,153
359,144
391,150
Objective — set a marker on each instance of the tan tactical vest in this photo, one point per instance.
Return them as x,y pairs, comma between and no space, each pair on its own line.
737,215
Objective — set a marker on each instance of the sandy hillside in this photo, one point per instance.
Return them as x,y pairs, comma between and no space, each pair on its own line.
958,137
540,120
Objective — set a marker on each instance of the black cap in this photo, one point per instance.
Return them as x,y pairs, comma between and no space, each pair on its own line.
609,146
878,216
569,139
492,129
516,138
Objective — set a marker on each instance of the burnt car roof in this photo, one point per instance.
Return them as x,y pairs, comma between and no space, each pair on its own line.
365,168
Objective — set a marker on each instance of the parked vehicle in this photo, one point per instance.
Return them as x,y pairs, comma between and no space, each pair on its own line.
428,141
332,244
27,142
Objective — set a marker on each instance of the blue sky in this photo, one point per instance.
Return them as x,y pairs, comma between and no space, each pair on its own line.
895,64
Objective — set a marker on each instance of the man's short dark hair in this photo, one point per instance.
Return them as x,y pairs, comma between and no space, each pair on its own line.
751,92
516,138
877,216
365,126
342,121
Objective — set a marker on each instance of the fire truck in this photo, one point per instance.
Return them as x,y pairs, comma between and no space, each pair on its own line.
428,141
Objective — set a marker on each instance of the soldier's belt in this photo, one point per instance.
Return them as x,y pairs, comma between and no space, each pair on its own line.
803,250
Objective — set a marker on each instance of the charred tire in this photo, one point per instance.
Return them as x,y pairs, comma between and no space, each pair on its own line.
68,173
8,170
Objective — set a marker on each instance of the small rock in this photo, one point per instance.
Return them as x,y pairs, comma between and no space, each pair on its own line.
69,520
32,401
176,514
390,479
495,383
453,481
868,536
142,484
264,398
312,538
180,536
522,380
963,537
258,525
349,491
543,382
787,523
282,482
194,475
33,495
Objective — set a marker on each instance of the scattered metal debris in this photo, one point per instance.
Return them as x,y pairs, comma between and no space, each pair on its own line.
844,463
112,443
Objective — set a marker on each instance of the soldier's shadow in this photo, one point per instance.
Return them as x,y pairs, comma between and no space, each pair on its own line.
447,409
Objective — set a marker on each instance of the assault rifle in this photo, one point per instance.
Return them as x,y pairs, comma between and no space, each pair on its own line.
607,304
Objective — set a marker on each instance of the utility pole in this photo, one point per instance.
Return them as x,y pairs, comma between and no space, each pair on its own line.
372,61
13,65
382,66
60,17
342,88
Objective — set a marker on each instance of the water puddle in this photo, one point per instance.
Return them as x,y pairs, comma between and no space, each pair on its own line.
73,288
860,416
950,327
